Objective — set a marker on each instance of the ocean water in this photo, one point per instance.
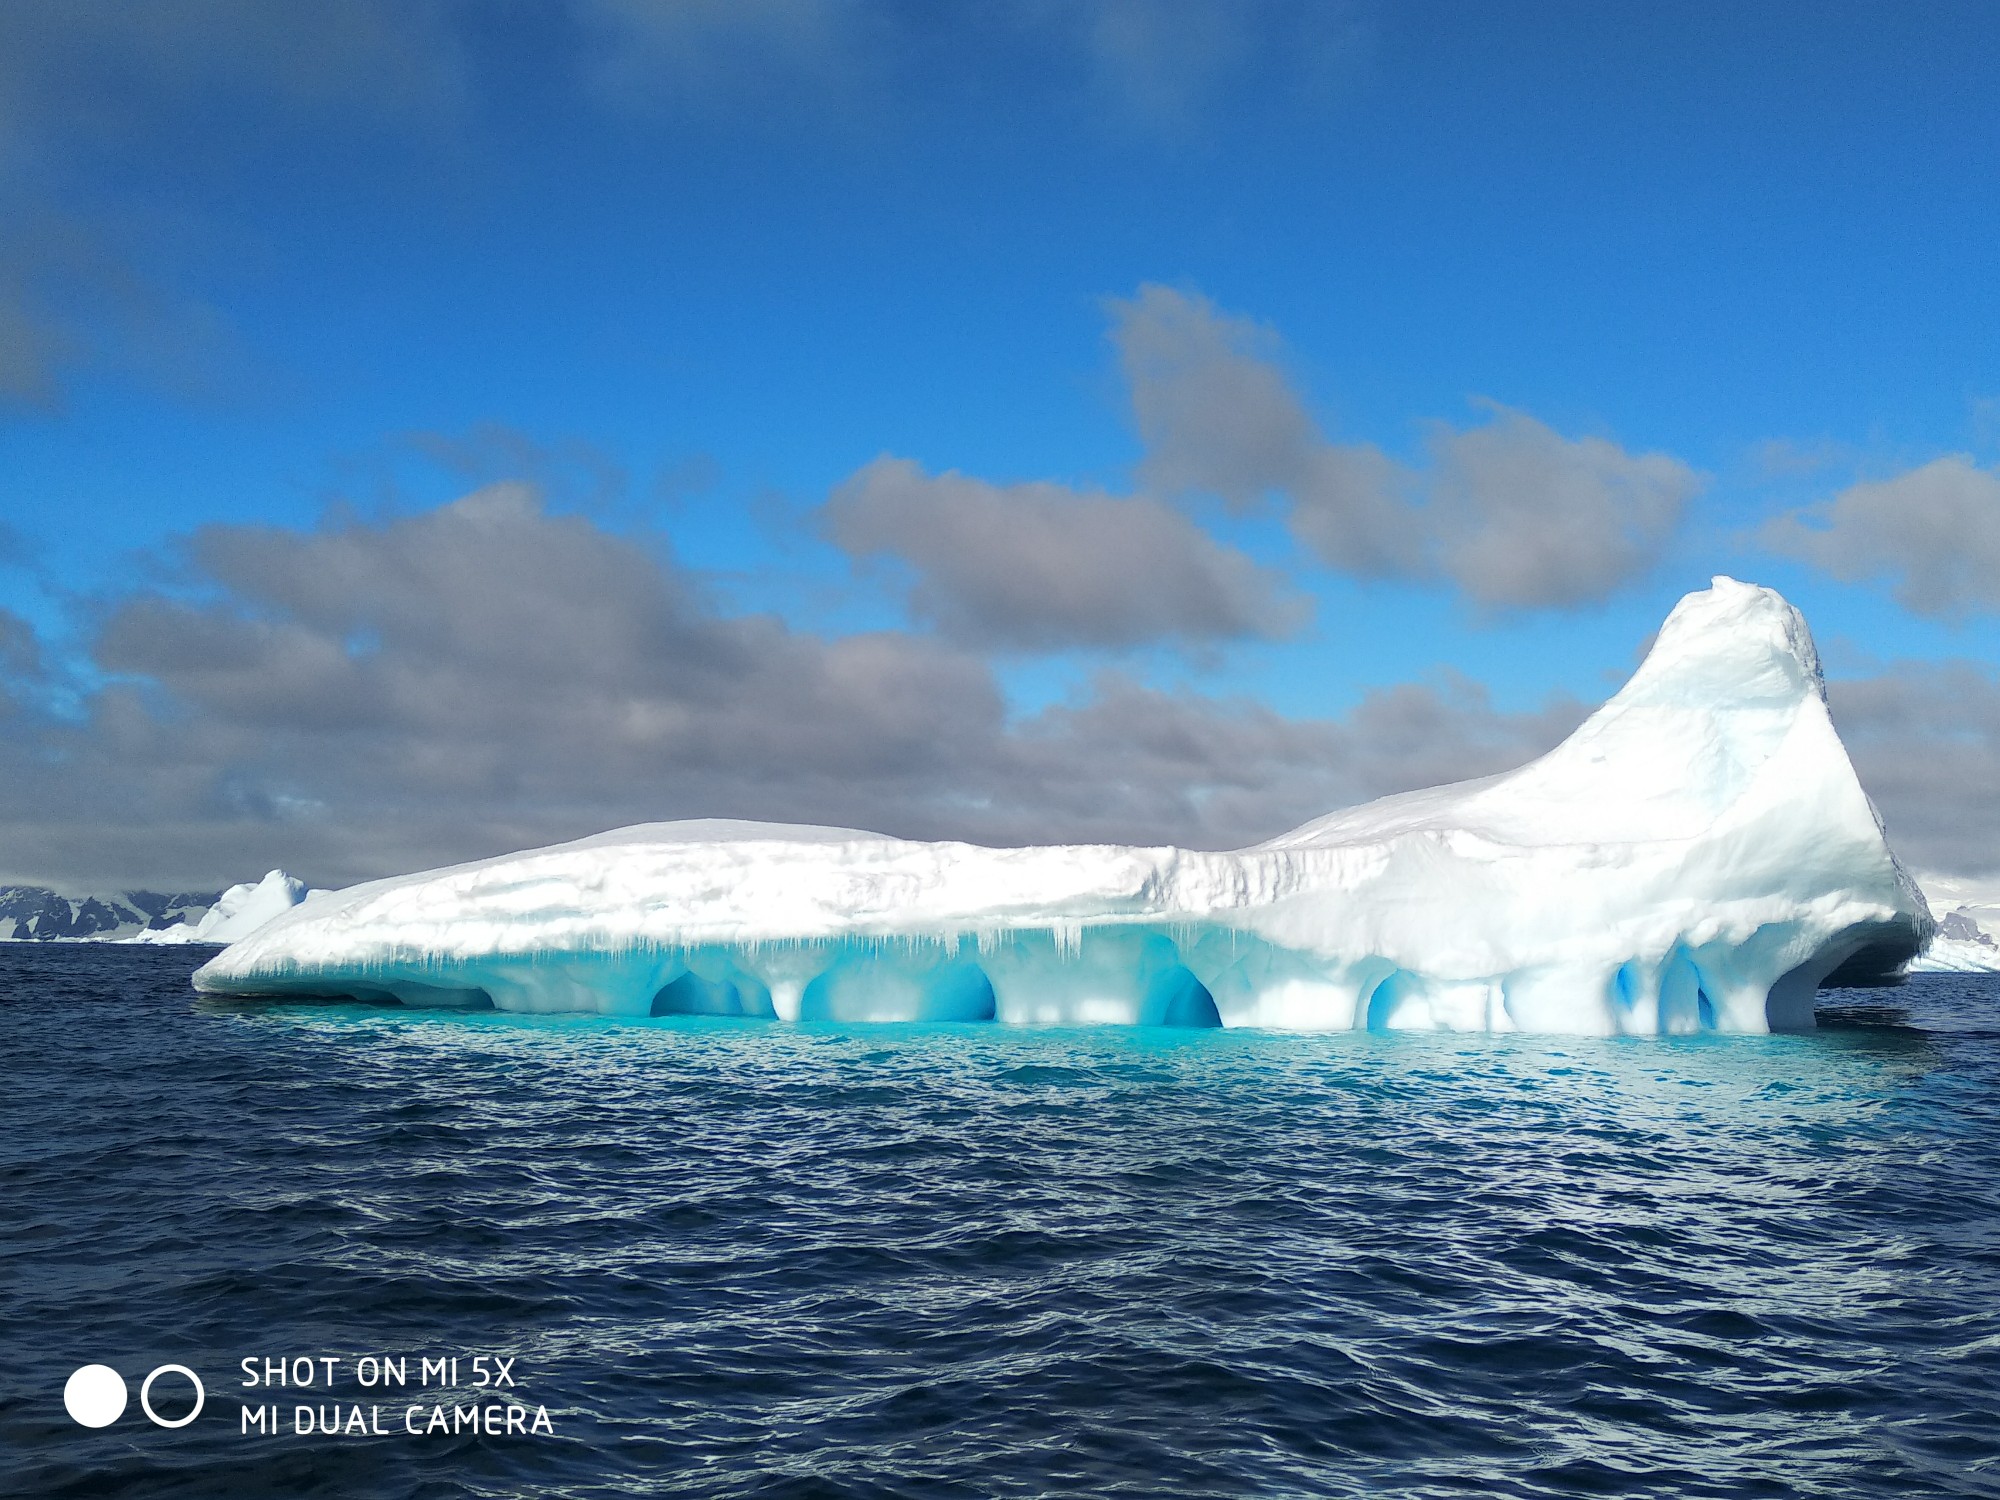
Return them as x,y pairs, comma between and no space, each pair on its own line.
747,1259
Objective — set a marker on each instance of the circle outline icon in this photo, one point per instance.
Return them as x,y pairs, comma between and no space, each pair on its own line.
146,1393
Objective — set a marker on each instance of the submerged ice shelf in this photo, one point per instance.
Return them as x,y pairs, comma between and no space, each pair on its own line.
1698,855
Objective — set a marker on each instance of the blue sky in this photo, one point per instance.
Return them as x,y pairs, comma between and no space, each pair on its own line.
1335,393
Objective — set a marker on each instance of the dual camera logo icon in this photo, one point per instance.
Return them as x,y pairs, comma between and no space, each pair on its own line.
95,1395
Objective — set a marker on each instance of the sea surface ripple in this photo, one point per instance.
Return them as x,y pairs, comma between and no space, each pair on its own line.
751,1259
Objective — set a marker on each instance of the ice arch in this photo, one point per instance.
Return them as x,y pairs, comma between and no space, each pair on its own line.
874,988
691,995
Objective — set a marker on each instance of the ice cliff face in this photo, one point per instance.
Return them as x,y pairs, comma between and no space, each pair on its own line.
1698,855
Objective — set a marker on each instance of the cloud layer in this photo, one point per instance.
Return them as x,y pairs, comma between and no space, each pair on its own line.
366,697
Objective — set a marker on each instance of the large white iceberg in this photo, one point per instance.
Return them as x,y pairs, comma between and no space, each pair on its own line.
1698,855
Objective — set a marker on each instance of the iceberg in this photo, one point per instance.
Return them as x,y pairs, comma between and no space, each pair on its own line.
238,912
1697,856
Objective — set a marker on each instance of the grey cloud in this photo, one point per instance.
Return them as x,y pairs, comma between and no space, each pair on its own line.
166,88
1218,773
1042,565
1527,518
1515,514
445,683
1161,64
1925,737
652,55
1361,512
1217,415
32,344
100,73
1512,512
367,697
1933,533
1985,421
1211,405
20,656
67,300
489,620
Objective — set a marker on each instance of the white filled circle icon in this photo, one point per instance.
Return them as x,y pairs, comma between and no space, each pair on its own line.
94,1395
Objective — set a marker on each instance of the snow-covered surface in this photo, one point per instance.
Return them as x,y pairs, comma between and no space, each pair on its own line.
1697,855
238,912
1955,956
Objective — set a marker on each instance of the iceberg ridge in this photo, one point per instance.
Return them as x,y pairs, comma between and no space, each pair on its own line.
1698,855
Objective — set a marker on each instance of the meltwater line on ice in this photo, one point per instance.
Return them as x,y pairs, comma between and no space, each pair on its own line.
1697,855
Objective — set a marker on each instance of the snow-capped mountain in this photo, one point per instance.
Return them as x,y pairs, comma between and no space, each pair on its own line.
33,912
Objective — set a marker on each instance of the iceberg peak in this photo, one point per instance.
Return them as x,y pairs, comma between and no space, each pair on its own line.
1697,855
1729,643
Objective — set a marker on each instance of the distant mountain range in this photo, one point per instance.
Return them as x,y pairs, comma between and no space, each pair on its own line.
36,913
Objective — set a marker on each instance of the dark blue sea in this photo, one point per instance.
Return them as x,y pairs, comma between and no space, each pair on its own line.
751,1259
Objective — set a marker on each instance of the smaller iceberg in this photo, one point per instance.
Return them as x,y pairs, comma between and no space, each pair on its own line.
1698,855
238,912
